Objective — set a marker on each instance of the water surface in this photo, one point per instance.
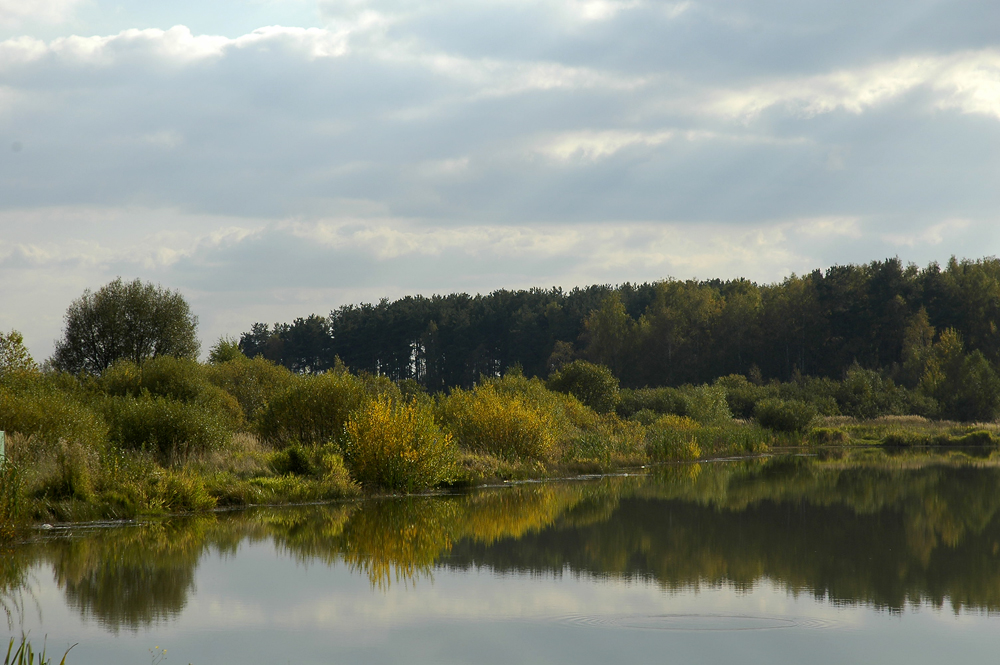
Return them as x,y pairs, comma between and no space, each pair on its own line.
843,559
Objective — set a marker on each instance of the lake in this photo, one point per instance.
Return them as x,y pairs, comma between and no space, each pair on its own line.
860,557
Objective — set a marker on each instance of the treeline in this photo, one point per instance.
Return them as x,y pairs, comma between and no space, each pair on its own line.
882,316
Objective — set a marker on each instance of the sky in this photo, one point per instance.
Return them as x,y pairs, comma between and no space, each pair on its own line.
270,159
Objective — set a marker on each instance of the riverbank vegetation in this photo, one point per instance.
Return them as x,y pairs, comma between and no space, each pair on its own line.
127,429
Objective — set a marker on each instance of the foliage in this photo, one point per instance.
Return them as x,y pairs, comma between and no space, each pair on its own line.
312,410
293,460
125,321
594,385
225,350
864,394
252,382
884,316
169,428
50,415
681,438
657,400
14,356
11,498
506,425
398,446
25,654
707,404
785,415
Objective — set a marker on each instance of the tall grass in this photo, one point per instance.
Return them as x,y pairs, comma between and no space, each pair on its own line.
26,655
11,498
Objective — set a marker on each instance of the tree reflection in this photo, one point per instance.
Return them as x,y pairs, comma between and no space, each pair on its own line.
876,529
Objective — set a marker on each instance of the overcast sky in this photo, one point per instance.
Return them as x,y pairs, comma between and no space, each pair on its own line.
275,158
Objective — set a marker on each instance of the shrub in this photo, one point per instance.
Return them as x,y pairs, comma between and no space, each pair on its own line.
741,395
398,446
658,400
594,385
50,416
645,417
564,412
484,420
865,394
293,460
176,378
707,404
827,436
173,378
312,411
252,382
169,428
784,415
121,379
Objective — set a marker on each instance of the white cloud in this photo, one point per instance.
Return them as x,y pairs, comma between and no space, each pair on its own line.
594,145
13,13
968,81
850,90
934,234
828,227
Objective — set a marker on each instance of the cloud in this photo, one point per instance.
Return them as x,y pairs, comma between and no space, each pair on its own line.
967,81
408,146
933,235
13,13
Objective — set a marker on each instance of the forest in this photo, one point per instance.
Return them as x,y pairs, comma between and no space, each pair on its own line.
932,330
664,333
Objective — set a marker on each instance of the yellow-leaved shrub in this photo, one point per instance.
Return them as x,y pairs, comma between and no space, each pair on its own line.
506,425
398,446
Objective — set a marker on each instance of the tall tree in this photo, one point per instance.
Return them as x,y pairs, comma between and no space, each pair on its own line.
125,321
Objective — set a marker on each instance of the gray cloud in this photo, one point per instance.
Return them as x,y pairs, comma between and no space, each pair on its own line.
434,146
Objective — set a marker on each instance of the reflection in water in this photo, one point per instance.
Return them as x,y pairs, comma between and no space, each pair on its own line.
874,530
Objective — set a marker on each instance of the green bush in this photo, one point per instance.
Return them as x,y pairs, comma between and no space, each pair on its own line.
169,428
312,411
120,379
50,416
398,446
594,385
741,395
252,382
172,378
865,394
293,460
707,404
508,426
823,436
784,415
658,400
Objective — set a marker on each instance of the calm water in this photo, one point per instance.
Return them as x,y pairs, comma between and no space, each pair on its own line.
785,560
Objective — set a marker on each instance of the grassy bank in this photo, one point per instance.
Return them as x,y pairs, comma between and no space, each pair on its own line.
180,436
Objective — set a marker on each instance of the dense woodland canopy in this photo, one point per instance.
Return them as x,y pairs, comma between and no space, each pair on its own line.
880,316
